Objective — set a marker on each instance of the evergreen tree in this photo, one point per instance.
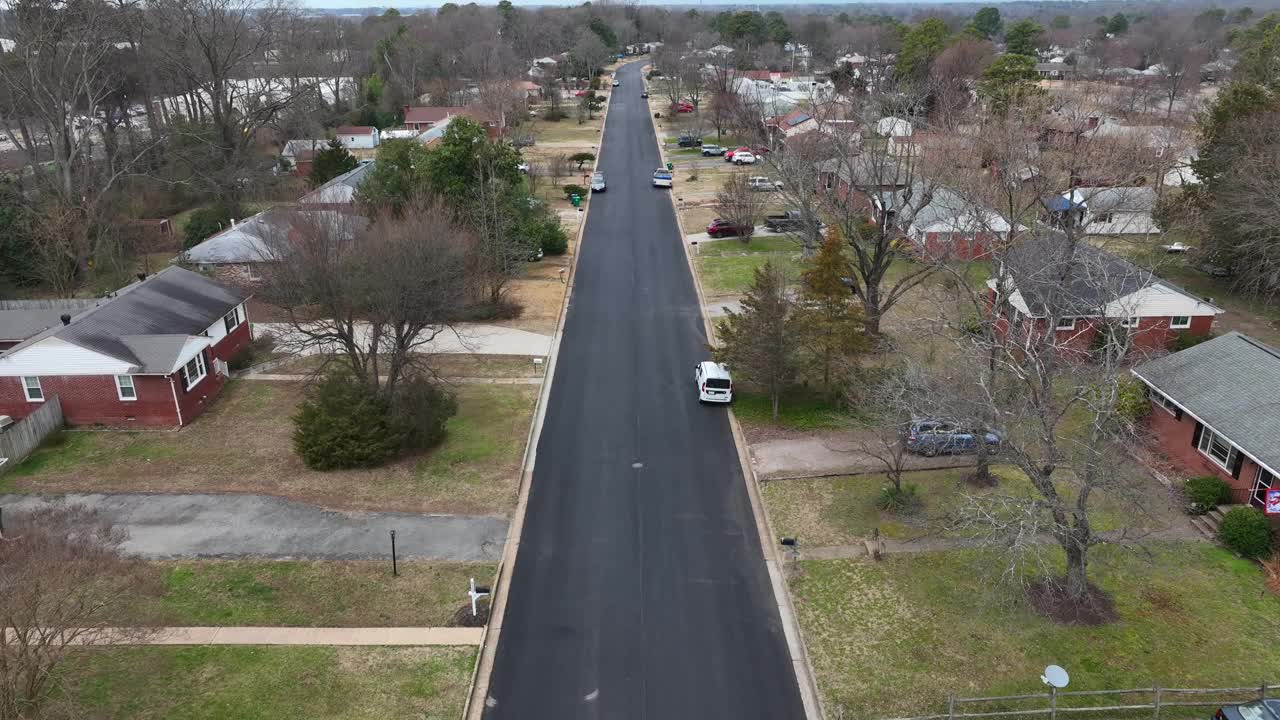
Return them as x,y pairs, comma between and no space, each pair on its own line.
760,342
1023,38
828,315
987,22
329,162
1118,24
1010,81
921,45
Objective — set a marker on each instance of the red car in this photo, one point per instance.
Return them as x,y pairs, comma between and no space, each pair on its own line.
723,228
728,156
684,107
580,93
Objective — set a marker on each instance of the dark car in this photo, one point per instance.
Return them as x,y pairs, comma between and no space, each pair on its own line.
645,94
689,141
720,228
930,437
1257,710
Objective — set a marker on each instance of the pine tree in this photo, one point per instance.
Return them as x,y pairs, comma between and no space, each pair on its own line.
330,162
760,342
828,314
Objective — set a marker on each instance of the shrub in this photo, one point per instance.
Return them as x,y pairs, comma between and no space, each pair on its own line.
1206,493
421,410
1132,403
582,158
554,115
1246,531
1187,340
253,353
904,501
570,190
203,223
552,238
343,424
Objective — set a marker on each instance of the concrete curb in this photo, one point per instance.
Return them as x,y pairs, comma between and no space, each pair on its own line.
478,689
809,695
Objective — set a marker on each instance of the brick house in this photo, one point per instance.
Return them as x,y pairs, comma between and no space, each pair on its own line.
1081,290
1214,412
948,226
152,355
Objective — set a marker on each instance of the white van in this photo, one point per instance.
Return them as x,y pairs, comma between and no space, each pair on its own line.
713,382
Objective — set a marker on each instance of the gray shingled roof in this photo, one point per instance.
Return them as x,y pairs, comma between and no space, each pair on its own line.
133,325
341,189
1058,277
252,239
20,319
1232,384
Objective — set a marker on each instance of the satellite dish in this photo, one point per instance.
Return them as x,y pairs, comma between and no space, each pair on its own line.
1055,677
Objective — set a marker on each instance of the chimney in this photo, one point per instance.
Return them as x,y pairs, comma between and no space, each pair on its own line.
66,318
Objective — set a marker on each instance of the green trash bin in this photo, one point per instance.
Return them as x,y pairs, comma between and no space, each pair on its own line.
575,199
671,166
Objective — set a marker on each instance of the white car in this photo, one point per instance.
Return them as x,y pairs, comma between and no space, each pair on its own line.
523,168
713,382
763,184
616,82
597,182
742,157
662,178
1177,248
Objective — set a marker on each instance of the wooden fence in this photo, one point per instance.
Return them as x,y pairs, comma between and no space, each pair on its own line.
26,435
1146,702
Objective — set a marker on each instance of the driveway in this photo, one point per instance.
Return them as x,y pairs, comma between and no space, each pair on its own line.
224,526
821,456
468,338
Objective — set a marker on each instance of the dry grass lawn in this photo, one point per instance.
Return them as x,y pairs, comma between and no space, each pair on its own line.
445,365
540,293
243,444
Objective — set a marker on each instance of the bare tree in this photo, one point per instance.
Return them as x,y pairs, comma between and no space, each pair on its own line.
741,205
374,294
559,166
66,579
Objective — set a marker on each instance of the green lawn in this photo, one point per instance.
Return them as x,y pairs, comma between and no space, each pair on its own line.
841,511
474,471
732,274
798,410
758,244
893,638
305,594
272,683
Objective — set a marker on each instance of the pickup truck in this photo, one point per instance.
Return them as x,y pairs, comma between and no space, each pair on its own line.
763,184
662,178
688,141
788,221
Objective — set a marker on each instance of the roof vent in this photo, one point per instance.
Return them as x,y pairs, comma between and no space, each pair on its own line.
66,318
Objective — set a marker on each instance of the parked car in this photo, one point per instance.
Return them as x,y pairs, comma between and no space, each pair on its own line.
616,82
788,221
597,182
720,228
931,437
728,155
688,141
1257,710
522,141
763,184
712,150
684,107
645,94
713,382
743,157
662,178
581,93
523,167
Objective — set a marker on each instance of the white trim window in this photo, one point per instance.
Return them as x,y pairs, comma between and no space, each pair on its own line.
231,320
31,387
1129,322
194,371
1066,323
1163,401
1218,449
1179,322
125,389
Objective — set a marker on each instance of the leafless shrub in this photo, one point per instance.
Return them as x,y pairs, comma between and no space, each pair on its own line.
739,204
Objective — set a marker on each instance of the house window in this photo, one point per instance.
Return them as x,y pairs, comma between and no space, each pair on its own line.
1066,323
125,389
231,319
1105,218
31,385
1218,449
1262,482
1180,322
194,371
1129,322
1165,402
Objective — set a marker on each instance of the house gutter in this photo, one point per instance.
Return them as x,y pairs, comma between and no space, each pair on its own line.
1198,419
173,389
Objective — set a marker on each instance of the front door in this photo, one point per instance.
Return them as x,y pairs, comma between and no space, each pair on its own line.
1262,481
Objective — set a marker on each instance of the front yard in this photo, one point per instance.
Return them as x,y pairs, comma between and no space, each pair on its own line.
243,444
264,593
893,638
270,683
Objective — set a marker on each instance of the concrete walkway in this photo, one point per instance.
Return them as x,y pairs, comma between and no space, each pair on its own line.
381,636
447,380
479,339
233,525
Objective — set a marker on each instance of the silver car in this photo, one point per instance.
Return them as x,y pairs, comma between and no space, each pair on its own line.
597,182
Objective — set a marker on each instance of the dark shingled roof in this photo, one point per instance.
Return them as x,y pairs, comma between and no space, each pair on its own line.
1232,384
1062,277
146,323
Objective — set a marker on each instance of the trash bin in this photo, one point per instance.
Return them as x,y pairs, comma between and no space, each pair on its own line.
671,166
575,199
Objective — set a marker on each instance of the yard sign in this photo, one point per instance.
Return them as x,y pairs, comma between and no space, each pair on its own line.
1273,501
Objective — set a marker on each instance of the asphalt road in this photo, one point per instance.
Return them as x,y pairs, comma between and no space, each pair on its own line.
640,590
233,525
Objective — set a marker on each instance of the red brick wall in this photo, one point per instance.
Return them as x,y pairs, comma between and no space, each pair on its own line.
1151,336
197,399
977,247
232,342
93,400
1174,437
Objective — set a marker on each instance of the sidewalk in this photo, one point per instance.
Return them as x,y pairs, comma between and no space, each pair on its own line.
479,339
831,455
288,636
